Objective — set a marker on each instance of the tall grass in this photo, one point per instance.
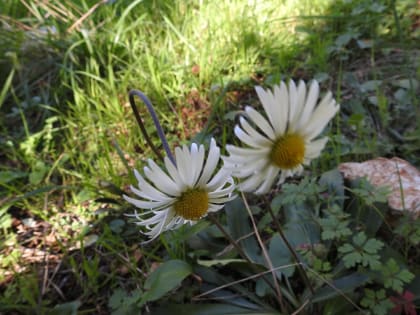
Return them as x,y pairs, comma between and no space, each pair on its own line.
155,46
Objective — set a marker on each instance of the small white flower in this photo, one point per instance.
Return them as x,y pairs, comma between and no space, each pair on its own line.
285,141
185,194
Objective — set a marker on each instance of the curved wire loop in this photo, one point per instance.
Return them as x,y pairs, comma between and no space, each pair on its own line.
159,129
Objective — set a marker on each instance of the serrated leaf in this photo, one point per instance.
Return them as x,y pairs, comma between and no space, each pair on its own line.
164,279
392,266
406,276
372,246
328,235
359,239
350,260
346,248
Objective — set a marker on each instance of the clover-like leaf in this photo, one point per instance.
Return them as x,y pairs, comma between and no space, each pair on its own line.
394,276
376,301
363,251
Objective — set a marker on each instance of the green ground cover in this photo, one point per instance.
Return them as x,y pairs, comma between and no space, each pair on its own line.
69,142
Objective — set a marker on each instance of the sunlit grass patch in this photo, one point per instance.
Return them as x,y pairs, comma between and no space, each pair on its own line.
69,142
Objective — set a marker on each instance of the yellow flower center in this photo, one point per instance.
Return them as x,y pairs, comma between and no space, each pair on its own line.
288,151
192,204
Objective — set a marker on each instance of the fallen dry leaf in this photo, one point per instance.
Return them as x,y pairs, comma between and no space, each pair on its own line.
397,174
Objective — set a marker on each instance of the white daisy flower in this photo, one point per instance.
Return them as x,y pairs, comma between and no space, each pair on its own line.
183,194
285,140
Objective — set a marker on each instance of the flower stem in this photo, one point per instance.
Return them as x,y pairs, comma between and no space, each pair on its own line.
159,129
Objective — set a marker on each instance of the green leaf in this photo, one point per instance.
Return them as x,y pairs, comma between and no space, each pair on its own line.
362,251
208,309
376,301
359,239
117,225
165,278
239,226
334,182
301,228
334,229
69,308
372,246
222,262
38,172
125,303
344,39
394,276
339,286
6,85
371,85
210,276
280,256
5,218
8,176
406,83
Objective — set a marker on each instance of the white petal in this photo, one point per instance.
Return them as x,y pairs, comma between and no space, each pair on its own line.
182,164
245,138
314,148
149,195
211,163
300,102
298,170
280,117
197,160
309,104
260,121
221,177
283,175
240,158
226,191
293,99
267,101
215,208
234,150
270,176
223,200
252,182
251,131
319,119
146,204
148,190
173,172
245,170
157,229
160,179
155,219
